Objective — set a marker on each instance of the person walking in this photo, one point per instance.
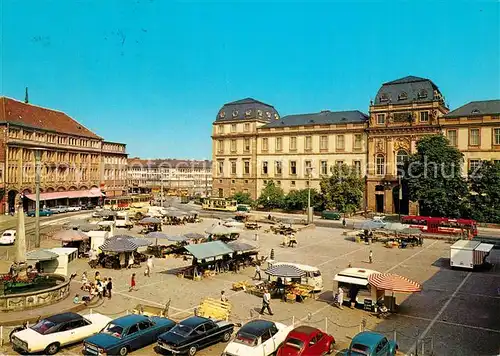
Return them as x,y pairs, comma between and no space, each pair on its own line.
132,283
266,300
223,297
100,289
340,298
109,287
97,277
257,272
371,256
149,266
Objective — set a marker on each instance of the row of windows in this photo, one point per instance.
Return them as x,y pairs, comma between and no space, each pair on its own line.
423,116
474,136
234,128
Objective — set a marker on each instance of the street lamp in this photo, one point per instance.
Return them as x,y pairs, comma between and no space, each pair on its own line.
309,211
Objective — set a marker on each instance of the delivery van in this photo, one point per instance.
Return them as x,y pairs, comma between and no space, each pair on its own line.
354,282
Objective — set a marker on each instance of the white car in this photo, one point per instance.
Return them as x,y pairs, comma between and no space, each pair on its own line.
257,337
50,334
74,208
8,237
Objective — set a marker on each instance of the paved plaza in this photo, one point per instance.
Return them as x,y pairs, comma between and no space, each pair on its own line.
455,314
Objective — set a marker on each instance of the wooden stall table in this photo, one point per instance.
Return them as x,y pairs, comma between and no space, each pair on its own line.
212,308
301,291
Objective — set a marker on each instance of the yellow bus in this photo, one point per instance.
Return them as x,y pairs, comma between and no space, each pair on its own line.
219,204
140,203
117,203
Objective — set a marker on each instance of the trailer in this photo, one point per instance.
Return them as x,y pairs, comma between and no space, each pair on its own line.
469,254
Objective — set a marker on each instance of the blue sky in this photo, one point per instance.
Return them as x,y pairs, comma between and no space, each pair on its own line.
153,74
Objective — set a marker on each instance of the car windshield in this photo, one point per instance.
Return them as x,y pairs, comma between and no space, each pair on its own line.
182,330
43,326
113,330
358,349
246,339
296,343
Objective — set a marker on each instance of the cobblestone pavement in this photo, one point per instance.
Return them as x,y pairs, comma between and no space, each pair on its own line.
456,313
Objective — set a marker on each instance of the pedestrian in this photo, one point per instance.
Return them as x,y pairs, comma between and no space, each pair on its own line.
340,297
266,300
371,256
109,287
149,266
223,297
85,280
344,222
100,289
132,283
131,260
256,237
97,276
257,272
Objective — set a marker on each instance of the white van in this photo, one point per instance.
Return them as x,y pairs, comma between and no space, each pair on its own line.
312,277
355,278
122,219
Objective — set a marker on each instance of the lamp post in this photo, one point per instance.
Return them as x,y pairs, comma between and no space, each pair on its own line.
309,212
38,154
400,197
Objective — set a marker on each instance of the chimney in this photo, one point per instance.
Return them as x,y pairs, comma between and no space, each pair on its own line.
26,96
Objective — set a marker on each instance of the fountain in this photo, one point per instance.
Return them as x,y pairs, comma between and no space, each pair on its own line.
22,288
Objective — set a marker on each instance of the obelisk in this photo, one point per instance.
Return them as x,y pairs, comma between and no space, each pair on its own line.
20,242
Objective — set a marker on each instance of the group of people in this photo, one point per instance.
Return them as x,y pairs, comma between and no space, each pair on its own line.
100,288
289,240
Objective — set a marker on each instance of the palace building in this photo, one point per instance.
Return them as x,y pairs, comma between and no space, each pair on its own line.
76,165
251,144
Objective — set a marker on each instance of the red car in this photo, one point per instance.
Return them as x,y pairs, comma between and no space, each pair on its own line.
307,341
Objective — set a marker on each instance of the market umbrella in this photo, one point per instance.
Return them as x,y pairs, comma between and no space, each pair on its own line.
119,244
70,236
150,221
41,255
141,242
177,238
369,225
395,226
242,245
194,236
218,230
157,235
285,271
393,283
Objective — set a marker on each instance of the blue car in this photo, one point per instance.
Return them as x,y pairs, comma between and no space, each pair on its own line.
42,213
368,343
126,334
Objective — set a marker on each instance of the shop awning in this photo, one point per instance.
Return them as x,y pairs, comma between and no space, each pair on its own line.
242,246
70,194
209,249
70,236
393,283
41,255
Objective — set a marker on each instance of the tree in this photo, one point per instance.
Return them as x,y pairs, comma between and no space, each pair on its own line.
484,184
297,199
434,178
271,196
243,198
343,190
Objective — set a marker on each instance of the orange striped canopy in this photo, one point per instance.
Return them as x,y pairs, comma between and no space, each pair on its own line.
394,283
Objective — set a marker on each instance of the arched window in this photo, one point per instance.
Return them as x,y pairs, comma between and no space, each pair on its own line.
401,159
380,165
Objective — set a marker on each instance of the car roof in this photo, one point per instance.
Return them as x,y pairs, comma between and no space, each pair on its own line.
367,338
64,317
9,231
194,321
303,332
128,320
256,327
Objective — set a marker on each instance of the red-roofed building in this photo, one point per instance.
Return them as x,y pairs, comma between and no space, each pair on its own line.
76,164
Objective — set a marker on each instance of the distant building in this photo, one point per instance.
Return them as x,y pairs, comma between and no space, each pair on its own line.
76,164
251,144
177,177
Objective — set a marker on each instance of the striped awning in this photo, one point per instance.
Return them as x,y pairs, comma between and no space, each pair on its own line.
119,244
393,283
285,271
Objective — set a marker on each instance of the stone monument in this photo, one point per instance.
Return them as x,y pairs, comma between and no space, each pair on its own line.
19,266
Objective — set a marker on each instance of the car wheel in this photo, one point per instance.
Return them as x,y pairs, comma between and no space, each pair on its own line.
192,350
331,348
123,351
226,337
52,349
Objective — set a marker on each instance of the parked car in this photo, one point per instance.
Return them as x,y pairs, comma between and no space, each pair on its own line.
50,334
369,343
195,333
43,212
74,208
88,206
257,337
125,334
307,341
8,237
59,209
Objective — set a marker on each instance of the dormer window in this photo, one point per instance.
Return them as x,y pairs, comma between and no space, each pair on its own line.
259,112
403,96
422,94
235,113
475,111
268,114
222,114
248,112
383,98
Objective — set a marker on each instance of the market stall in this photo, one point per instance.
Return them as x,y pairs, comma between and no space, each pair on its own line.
245,253
221,232
150,224
175,217
73,238
286,283
119,251
209,258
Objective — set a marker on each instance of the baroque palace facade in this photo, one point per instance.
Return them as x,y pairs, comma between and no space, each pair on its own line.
76,165
251,144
